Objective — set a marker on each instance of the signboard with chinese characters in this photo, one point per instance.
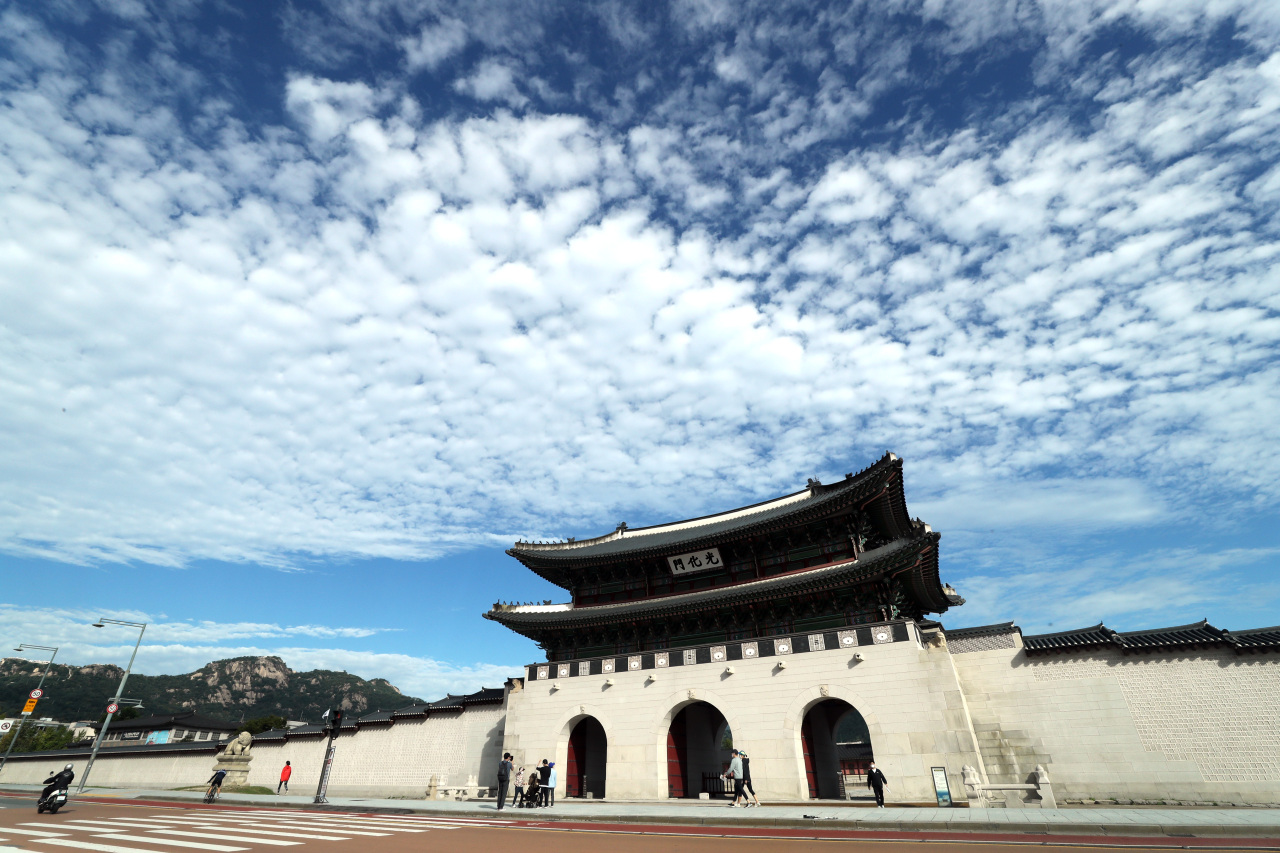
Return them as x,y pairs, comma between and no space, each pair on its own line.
698,561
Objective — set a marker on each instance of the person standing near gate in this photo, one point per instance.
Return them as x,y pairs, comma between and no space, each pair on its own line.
518,796
877,783
285,773
551,785
735,773
544,779
504,779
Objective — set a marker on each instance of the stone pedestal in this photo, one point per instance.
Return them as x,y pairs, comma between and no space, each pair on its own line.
237,767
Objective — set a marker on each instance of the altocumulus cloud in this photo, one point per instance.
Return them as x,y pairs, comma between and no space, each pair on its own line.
498,290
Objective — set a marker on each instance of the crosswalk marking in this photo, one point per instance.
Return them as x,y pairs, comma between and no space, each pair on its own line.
256,831
248,840
99,825
283,824
104,848
388,825
344,826
34,832
177,842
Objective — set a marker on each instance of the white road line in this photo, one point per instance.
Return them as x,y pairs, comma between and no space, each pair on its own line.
344,826
246,839
176,842
256,831
34,832
355,821
286,824
102,848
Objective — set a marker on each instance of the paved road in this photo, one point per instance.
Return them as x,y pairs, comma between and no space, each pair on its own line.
136,827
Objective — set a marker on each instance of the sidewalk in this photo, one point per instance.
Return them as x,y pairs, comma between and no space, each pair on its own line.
1176,822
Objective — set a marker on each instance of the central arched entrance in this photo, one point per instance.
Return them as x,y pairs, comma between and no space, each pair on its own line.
836,747
698,745
586,759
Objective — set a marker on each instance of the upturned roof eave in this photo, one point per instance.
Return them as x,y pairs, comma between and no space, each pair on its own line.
884,473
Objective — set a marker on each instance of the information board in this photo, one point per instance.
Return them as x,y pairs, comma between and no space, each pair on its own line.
940,787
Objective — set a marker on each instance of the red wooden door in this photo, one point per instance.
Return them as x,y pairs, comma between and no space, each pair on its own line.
806,745
677,757
576,765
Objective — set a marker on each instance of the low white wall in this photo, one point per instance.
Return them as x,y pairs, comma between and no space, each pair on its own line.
397,760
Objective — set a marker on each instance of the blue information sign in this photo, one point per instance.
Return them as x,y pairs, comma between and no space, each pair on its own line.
940,787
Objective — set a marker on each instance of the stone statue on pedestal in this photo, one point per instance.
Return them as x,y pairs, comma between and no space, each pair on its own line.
235,760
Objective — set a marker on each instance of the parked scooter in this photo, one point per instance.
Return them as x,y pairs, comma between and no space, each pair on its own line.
54,795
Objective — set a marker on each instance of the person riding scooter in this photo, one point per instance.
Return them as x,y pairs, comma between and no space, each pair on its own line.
58,781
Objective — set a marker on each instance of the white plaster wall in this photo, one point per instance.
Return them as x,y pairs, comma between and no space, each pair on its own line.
398,760
907,694
1199,726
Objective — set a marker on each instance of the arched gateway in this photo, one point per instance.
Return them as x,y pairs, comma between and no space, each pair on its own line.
586,759
835,748
756,605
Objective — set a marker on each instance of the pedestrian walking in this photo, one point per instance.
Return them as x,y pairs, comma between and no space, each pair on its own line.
735,773
504,779
518,796
877,783
746,779
551,785
285,773
531,789
544,779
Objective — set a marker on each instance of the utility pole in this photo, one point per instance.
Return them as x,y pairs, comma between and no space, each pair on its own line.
334,725
22,721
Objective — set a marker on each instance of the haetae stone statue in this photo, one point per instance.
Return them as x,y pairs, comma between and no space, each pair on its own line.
235,760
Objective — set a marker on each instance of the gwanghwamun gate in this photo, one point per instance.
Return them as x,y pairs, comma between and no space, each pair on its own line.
804,630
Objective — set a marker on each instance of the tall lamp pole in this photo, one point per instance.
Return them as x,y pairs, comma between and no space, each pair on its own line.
23,720
142,626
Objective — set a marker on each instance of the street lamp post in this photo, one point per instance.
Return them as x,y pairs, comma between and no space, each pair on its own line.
142,626
22,721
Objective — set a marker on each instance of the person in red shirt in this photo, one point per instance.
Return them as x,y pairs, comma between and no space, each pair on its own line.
285,773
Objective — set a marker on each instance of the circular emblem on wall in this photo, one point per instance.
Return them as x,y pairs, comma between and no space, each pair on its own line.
882,635
112,708
718,656
783,647
848,641
635,664
37,693
749,653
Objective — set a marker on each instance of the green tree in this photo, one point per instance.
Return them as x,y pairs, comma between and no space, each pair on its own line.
258,725
34,739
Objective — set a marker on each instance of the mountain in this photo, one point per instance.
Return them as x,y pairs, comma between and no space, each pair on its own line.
231,689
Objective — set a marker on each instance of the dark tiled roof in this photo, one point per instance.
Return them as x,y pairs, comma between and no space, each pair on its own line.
1256,638
1196,635
419,709
978,631
187,720
666,537
378,716
270,735
896,555
309,730
484,696
209,746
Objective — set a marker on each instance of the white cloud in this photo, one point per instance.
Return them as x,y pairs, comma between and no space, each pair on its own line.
492,80
434,44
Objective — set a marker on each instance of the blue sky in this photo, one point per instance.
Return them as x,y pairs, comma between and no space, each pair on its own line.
308,310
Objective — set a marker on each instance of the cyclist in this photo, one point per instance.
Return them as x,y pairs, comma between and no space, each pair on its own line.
215,785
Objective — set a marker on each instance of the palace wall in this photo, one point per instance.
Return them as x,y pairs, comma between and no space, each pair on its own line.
906,692
402,759
1191,726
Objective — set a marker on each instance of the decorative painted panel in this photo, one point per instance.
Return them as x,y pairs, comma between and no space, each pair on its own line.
562,671
782,646
882,634
690,657
750,650
817,642
718,654
633,663
543,672
848,639
660,659
607,666
584,668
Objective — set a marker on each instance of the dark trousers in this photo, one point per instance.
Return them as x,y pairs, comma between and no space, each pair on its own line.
284,783
502,792
518,795
543,793
879,792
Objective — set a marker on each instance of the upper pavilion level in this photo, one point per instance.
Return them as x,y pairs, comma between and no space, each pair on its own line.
828,556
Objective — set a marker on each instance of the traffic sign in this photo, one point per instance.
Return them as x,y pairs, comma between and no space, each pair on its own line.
5,725
29,707
36,694
112,708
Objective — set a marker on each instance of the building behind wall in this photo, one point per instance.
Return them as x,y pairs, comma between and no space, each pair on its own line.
778,621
